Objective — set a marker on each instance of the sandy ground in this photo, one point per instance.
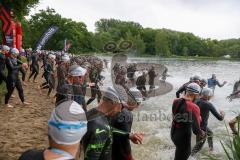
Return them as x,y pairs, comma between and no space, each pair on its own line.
24,127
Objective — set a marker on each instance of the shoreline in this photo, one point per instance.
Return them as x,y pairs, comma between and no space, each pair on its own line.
174,57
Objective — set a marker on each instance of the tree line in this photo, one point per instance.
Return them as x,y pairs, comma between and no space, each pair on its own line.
146,41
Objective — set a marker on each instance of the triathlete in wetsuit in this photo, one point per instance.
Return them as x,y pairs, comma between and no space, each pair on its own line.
206,107
48,72
152,75
121,148
34,66
5,50
22,69
186,118
95,78
13,77
62,71
141,84
235,92
71,92
97,142
195,79
71,89
131,71
66,127
236,86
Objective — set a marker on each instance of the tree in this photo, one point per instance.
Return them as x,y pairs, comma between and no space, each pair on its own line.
148,36
161,44
138,43
185,51
101,39
75,32
20,8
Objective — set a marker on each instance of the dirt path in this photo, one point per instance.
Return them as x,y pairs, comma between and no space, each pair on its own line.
24,127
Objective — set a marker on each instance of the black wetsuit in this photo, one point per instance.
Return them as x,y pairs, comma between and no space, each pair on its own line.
61,75
205,108
70,92
130,72
95,90
182,89
21,69
97,142
35,66
236,86
140,83
48,69
121,148
2,67
13,79
152,76
33,155
186,118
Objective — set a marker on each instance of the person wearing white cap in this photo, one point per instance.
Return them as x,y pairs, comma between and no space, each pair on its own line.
62,71
95,78
203,83
13,80
98,139
121,148
205,108
5,50
72,88
186,119
24,67
22,52
66,127
49,74
196,79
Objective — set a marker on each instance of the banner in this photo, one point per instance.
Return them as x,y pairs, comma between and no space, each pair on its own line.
8,26
67,45
18,35
45,37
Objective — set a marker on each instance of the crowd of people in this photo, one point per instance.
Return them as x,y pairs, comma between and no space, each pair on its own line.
104,132
191,113
126,77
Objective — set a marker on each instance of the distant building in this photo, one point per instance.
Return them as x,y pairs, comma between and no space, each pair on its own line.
227,56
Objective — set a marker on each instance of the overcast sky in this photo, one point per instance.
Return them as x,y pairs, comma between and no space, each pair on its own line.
216,19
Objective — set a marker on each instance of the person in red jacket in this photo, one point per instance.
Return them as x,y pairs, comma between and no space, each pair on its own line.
186,118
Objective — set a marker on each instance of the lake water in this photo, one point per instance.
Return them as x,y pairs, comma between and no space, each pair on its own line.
154,116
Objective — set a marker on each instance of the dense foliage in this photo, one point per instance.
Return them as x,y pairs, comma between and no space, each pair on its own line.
21,8
146,41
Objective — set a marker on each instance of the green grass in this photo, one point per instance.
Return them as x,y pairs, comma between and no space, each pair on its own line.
231,146
3,91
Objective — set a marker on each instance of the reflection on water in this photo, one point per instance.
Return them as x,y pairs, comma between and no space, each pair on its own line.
157,144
